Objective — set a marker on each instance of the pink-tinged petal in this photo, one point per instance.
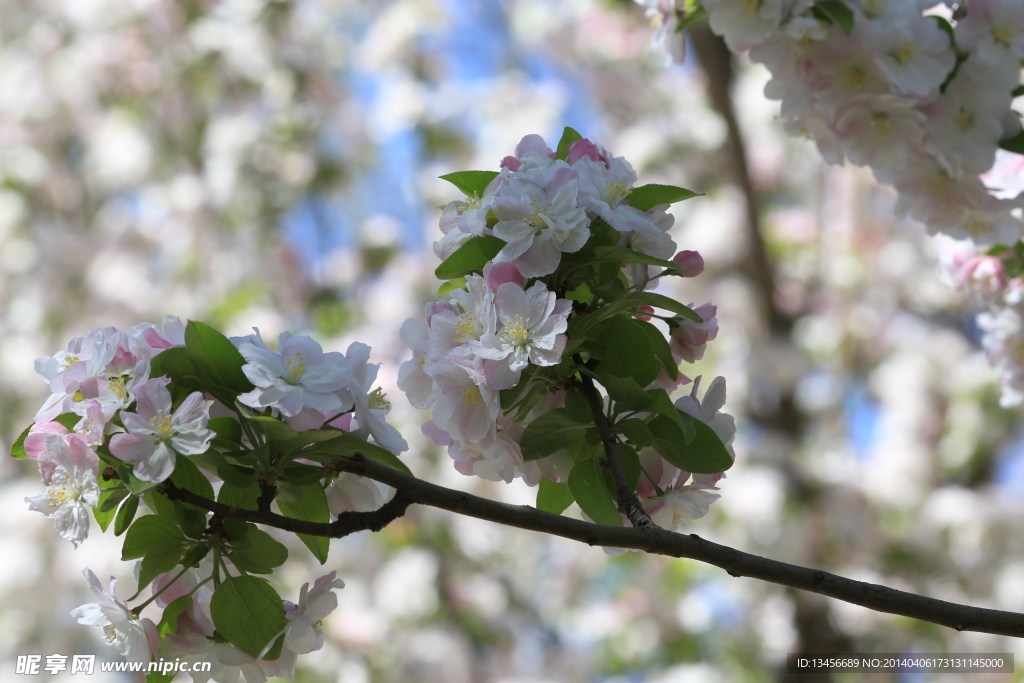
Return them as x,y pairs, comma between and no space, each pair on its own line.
35,442
305,419
435,434
72,522
498,274
192,409
511,163
152,398
584,148
533,143
552,356
541,259
691,263
157,466
131,447
498,375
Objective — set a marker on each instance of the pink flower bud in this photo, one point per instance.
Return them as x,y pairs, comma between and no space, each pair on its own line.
691,263
498,274
646,309
585,148
511,163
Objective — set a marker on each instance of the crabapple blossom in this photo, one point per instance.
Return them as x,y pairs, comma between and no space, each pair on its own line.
370,404
539,217
299,380
531,323
464,408
304,633
743,24
674,509
688,339
72,487
708,410
155,435
134,638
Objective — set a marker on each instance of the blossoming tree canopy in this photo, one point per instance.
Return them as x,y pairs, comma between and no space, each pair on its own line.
185,441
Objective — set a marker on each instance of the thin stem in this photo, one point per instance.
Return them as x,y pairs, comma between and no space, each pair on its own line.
156,595
627,501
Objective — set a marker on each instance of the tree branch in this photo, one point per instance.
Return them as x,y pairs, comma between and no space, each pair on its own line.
658,541
626,500
347,522
651,539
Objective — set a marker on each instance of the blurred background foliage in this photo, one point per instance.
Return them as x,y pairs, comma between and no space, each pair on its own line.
274,163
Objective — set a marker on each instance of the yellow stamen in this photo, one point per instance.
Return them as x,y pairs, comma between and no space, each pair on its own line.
517,331
471,396
377,399
163,426
295,368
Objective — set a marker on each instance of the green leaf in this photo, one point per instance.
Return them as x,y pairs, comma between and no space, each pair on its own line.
588,487
111,498
159,677
550,432
509,397
241,477
248,612
470,257
629,459
569,136
218,363
68,420
647,196
274,429
629,353
346,444
196,555
662,349
243,498
160,504
187,476
191,520
227,428
125,515
18,447
577,408
103,517
705,454
1016,92
834,12
169,621
301,475
145,533
311,506
692,16
624,255
257,552
1014,144
451,286
133,483
537,392
161,558
471,183
176,364
553,497
637,431
667,303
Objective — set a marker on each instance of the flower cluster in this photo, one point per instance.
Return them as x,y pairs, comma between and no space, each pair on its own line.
149,408
922,101
492,358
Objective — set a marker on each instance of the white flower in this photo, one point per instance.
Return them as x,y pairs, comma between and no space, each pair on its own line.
73,487
469,313
124,631
148,340
531,325
69,372
916,55
879,130
300,380
304,633
994,30
464,409
676,508
370,404
351,493
964,124
604,187
709,412
539,218
155,435
412,379
743,23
